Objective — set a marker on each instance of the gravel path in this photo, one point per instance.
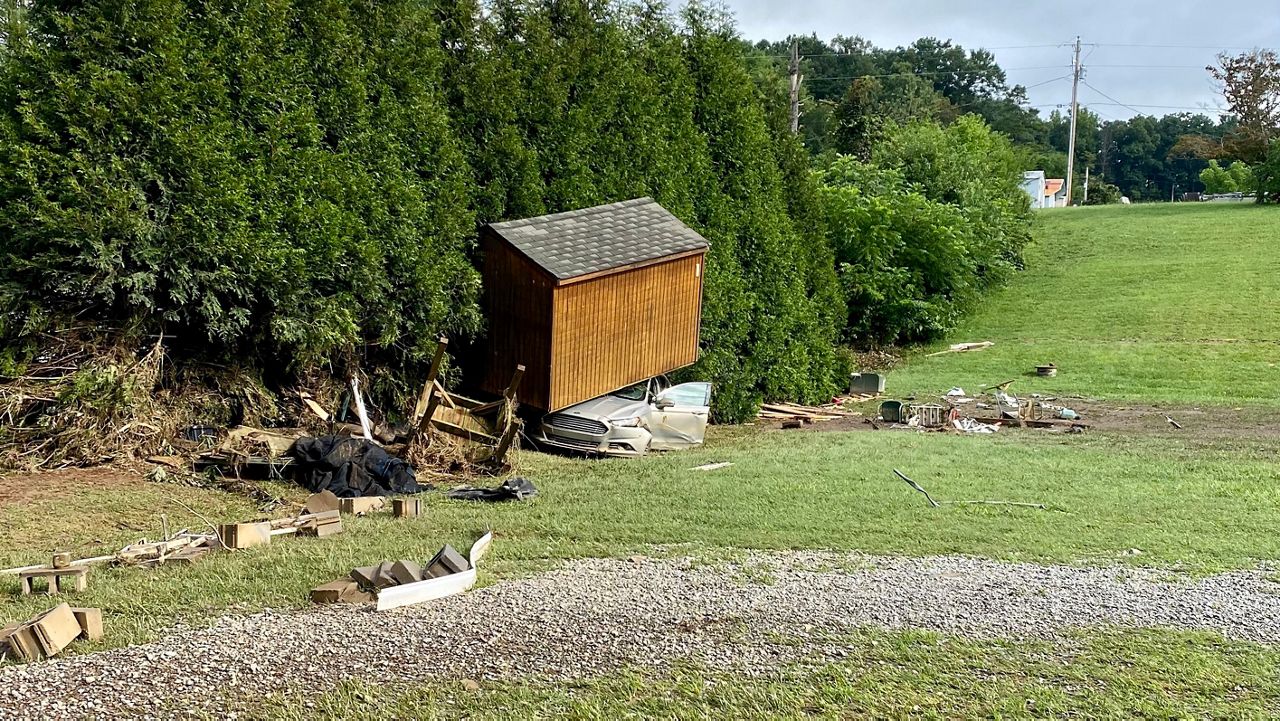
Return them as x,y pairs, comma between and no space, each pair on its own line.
755,614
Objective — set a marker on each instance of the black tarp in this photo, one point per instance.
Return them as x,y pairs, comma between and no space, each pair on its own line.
512,489
351,467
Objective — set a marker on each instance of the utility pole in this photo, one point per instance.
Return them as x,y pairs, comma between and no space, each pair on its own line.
1075,109
795,87
1086,185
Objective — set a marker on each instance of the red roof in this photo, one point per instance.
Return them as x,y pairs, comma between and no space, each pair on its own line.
1053,186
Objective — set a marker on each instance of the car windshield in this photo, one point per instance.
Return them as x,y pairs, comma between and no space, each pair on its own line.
637,392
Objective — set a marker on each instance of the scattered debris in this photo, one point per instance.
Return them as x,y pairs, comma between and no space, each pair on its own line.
866,383
963,348
956,392
808,414
55,579
1047,371
343,590
361,505
711,466
50,632
457,581
512,489
937,504
246,449
351,467
969,425
406,507
1173,423
244,535
1068,414
493,425
406,582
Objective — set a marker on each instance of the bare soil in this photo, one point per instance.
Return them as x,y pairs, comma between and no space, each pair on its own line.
26,486
1204,423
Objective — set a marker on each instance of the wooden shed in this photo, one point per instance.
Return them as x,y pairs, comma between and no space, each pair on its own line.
590,301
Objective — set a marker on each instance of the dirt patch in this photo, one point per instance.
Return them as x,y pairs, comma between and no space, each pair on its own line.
26,486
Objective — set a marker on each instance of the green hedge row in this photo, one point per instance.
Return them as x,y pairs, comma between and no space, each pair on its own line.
299,182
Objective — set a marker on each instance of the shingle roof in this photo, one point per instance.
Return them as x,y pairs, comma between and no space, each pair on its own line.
594,239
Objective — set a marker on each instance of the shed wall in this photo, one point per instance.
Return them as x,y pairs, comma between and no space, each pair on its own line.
619,329
517,304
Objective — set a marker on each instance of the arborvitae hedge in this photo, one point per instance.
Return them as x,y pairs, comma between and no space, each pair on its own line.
299,182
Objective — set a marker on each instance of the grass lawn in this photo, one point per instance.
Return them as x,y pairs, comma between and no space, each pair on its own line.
887,675
1146,304
1173,304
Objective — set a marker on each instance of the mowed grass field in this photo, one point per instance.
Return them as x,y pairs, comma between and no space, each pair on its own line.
1172,304
1191,501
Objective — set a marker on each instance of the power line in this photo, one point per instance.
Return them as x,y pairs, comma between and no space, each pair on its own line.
1108,97
1181,47
930,73
1153,67
1029,87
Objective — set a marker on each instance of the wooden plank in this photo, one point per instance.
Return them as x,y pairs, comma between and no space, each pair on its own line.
365,425
424,398
362,505
406,507
90,620
504,444
463,432
244,535
623,328
56,629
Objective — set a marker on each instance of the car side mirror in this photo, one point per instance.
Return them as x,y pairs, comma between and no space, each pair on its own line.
663,403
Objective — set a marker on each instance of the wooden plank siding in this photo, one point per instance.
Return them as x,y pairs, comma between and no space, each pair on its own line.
613,330
517,306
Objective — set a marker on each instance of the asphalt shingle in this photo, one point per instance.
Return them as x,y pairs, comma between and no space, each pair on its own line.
594,239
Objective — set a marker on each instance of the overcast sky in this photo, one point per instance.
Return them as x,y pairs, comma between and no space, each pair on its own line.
1110,31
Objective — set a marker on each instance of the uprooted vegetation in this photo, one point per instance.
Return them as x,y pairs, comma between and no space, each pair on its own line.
87,397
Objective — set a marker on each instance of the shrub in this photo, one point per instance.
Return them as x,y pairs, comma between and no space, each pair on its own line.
936,218
271,179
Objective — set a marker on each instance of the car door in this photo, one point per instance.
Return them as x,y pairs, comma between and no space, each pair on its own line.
679,415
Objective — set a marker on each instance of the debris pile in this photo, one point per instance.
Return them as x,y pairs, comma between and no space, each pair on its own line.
987,412
794,415
405,582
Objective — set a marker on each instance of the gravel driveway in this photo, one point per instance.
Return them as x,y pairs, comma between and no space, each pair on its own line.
754,614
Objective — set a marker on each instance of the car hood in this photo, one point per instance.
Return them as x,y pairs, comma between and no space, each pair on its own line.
611,407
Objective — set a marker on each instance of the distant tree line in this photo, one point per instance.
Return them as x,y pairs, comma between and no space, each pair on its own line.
853,89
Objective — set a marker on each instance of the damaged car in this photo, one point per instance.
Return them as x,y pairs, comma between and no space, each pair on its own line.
650,415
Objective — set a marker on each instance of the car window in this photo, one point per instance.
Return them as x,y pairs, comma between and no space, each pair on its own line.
637,392
689,394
